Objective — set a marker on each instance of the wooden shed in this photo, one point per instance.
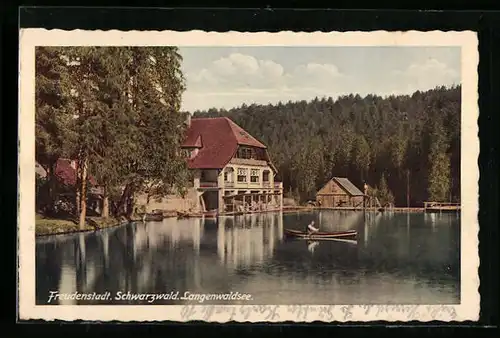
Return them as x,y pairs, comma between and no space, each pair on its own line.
340,192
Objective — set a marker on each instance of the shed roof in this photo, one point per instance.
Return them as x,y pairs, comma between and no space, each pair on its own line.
348,186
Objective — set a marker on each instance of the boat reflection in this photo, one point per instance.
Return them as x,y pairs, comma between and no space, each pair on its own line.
311,246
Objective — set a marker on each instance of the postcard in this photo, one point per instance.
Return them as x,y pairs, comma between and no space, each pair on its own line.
248,177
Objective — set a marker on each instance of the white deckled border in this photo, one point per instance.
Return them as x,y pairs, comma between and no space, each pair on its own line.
468,309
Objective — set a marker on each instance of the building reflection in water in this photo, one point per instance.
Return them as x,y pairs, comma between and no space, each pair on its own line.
340,220
156,256
243,241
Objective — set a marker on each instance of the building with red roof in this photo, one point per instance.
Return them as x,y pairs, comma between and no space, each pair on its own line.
65,173
232,169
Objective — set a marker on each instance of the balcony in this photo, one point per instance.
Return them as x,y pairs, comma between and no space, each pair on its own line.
248,161
266,184
208,185
228,184
278,185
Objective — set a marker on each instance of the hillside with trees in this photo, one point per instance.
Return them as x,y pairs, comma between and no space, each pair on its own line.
390,143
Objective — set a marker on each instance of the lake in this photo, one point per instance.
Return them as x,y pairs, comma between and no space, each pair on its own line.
399,258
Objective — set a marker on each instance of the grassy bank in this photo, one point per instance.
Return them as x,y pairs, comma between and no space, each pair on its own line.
53,226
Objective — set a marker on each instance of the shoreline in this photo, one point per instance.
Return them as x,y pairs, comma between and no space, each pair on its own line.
44,226
101,224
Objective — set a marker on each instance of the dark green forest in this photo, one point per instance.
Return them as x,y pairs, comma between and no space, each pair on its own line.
406,148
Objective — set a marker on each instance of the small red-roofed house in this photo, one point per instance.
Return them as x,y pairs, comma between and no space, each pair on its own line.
66,174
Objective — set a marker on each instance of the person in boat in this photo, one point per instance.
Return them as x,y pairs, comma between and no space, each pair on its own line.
310,229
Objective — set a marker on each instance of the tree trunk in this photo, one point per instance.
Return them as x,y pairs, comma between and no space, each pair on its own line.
83,194
78,189
105,203
78,200
51,181
408,188
130,204
122,202
114,208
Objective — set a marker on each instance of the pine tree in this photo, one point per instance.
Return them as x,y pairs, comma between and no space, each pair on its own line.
51,118
439,161
361,156
384,194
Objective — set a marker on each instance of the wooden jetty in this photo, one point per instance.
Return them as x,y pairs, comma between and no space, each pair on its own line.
206,214
379,209
440,207
289,209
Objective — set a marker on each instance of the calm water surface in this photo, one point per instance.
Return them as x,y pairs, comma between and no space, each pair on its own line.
398,258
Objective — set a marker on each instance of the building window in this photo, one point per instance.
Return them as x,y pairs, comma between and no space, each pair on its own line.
189,152
254,176
242,175
251,153
265,176
228,175
245,153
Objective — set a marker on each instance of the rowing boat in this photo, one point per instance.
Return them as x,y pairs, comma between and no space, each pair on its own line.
349,234
154,217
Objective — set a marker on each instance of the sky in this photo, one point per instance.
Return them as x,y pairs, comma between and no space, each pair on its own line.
227,77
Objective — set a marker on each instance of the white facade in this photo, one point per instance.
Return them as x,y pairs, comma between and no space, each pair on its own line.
251,181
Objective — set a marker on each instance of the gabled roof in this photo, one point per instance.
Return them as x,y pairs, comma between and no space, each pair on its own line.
243,137
348,186
218,139
193,141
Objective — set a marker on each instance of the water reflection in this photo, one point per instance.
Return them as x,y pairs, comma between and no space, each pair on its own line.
312,246
245,241
412,258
